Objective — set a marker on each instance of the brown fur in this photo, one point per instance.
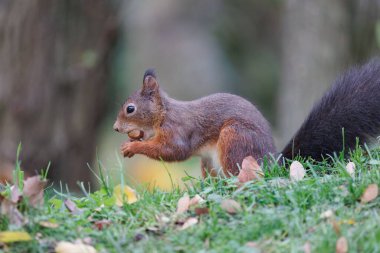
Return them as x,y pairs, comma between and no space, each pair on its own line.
221,128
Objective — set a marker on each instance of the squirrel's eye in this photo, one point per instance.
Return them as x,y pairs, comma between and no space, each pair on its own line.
130,109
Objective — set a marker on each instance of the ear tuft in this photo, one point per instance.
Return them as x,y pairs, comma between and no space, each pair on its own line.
150,72
150,84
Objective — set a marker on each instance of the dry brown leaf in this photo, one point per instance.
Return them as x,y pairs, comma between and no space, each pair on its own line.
183,204
72,207
252,245
34,190
370,193
189,222
201,211
48,224
250,170
350,168
307,247
15,194
68,247
336,226
9,209
341,245
297,171
124,194
196,200
230,206
101,224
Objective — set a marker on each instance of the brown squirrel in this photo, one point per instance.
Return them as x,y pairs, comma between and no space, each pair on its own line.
224,129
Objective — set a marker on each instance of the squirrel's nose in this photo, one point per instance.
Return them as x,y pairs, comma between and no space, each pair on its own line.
115,128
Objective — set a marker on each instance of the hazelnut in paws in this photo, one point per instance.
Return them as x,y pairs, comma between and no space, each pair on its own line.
136,134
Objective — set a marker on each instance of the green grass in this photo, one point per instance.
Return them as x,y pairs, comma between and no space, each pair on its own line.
278,215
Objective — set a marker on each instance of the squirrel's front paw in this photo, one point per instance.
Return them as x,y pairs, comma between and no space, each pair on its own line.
127,149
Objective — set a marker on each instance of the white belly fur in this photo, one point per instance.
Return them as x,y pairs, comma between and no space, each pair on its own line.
211,153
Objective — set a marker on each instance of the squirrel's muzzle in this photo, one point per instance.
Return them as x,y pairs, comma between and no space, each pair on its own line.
115,127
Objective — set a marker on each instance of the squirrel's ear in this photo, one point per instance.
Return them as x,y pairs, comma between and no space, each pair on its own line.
150,84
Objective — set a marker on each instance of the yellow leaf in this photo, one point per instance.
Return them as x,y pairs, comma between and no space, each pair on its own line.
124,195
14,236
68,247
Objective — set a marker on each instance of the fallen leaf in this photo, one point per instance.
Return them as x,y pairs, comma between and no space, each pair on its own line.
124,195
350,168
48,224
327,214
349,221
251,244
201,211
196,200
189,222
230,206
101,224
250,170
15,194
162,219
341,245
183,204
297,171
72,207
14,236
34,190
370,193
85,240
9,209
336,226
307,247
68,247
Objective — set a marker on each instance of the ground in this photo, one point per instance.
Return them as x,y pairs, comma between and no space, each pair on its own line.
273,214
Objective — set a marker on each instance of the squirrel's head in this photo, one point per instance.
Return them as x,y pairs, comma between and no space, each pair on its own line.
144,109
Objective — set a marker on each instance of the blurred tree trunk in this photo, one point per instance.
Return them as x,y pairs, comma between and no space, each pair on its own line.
315,50
320,39
53,74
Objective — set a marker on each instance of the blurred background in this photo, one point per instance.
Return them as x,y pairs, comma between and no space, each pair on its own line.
67,66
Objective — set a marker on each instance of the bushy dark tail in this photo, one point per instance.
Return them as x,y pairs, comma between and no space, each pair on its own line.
349,110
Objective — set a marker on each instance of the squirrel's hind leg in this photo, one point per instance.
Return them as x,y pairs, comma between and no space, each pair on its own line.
236,142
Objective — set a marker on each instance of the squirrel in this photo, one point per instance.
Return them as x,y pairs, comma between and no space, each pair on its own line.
223,128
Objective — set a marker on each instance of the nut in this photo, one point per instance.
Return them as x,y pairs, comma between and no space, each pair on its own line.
136,134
